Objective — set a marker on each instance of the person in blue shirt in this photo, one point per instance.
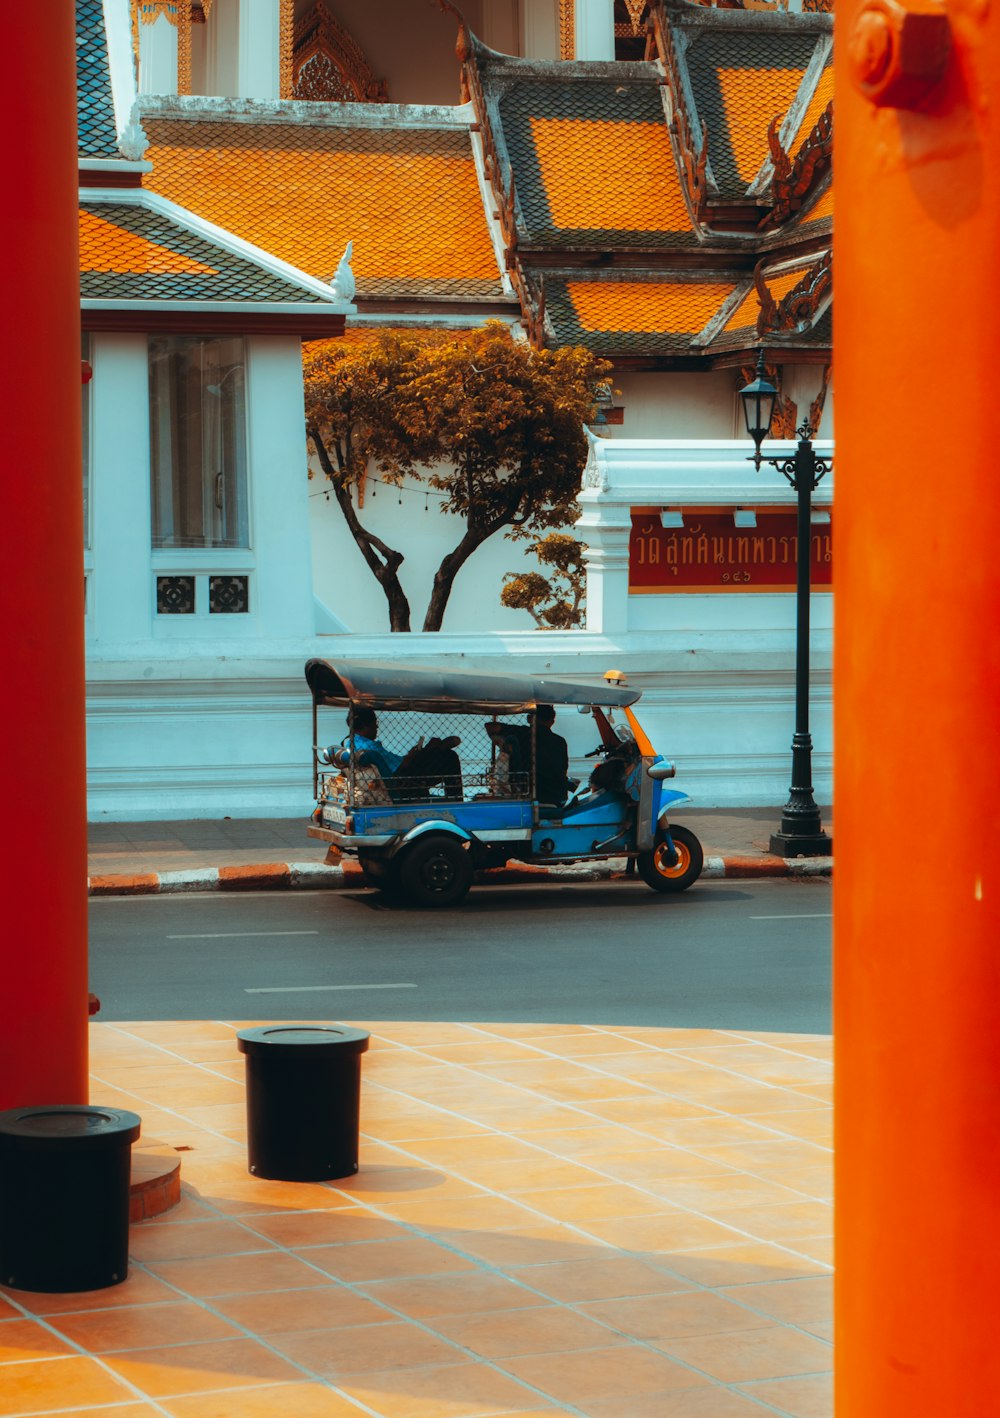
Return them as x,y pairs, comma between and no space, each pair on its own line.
366,741
415,773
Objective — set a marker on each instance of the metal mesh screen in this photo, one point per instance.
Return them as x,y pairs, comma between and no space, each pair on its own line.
429,758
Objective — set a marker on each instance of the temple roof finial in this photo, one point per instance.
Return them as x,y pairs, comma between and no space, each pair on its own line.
133,140
343,284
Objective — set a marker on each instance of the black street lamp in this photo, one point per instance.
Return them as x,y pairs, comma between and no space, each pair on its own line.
801,833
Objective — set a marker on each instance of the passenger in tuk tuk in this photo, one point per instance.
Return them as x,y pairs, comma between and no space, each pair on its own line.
424,767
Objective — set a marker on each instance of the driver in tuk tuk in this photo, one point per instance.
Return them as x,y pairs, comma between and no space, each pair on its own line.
430,763
552,783
551,757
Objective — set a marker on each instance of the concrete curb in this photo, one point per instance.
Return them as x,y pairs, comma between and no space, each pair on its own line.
316,876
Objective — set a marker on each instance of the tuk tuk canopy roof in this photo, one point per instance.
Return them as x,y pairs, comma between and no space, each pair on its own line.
394,687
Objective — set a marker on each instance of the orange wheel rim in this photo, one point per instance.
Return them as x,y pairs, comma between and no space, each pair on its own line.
679,867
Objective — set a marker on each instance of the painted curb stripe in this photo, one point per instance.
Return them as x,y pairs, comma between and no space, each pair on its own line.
313,876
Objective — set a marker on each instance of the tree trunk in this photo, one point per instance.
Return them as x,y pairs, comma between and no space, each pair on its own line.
382,560
451,565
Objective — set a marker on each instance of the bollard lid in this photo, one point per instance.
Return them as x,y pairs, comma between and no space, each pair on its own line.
67,1126
303,1036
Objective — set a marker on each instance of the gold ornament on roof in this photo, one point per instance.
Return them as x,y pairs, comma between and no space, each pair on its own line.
636,10
149,11
286,46
328,63
183,46
567,29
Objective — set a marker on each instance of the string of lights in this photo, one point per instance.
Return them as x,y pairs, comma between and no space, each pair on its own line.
399,488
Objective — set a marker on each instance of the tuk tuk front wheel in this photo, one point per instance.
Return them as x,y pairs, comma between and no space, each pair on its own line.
657,872
434,871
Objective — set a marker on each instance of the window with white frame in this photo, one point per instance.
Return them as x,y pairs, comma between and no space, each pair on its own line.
198,442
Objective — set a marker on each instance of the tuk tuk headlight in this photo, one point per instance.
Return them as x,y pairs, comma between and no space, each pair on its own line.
663,769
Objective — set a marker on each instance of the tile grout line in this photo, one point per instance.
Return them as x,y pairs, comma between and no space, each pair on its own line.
355,1201
487,1191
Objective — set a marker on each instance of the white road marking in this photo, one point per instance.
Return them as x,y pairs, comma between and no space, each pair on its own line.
807,916
315,989
237,935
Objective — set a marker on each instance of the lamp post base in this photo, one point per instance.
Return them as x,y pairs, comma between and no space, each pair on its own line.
801,844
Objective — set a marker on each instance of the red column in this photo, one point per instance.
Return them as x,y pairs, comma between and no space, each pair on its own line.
43,868
917,709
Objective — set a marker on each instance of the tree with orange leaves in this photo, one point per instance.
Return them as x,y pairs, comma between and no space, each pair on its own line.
495,427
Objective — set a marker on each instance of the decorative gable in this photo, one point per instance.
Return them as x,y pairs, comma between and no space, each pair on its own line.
328,65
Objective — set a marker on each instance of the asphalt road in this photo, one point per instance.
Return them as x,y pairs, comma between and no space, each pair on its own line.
725,955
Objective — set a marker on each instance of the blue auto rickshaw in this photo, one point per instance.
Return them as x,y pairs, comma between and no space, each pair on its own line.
437,778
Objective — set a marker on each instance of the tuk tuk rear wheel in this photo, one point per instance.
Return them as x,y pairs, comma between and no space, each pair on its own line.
434,871
659,874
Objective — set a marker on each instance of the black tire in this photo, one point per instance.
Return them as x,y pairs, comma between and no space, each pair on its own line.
690,860
434,871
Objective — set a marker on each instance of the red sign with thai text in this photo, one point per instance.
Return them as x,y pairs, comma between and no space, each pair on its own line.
710,553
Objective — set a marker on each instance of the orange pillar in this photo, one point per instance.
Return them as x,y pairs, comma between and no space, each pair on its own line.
43,868
917,710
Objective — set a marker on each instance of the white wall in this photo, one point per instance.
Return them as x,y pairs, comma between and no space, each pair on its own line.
541,29
124,565
192,718
345,584
220,733
704,405
120,601
158,57
659,405
595,29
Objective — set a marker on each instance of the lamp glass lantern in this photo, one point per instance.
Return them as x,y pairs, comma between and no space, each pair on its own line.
758,407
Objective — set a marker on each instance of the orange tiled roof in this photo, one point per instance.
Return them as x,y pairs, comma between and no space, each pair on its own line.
110,248
662,307
822,94
751,98
133,251
741,77
601,175
823,208
408,198
591,158
635,314
361,337
748,309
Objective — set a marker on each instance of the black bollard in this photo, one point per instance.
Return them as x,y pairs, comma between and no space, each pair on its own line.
64,1197
303,1100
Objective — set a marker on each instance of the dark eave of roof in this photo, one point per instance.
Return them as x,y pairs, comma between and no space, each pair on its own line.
168,320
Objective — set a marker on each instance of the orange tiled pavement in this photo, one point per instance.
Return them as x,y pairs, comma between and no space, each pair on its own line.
623,1223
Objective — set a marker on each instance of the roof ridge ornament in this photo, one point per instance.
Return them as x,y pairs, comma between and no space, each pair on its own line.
693,155
532,296
343,284
463,42
635,10
798,308
795,179
133,139
767,318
